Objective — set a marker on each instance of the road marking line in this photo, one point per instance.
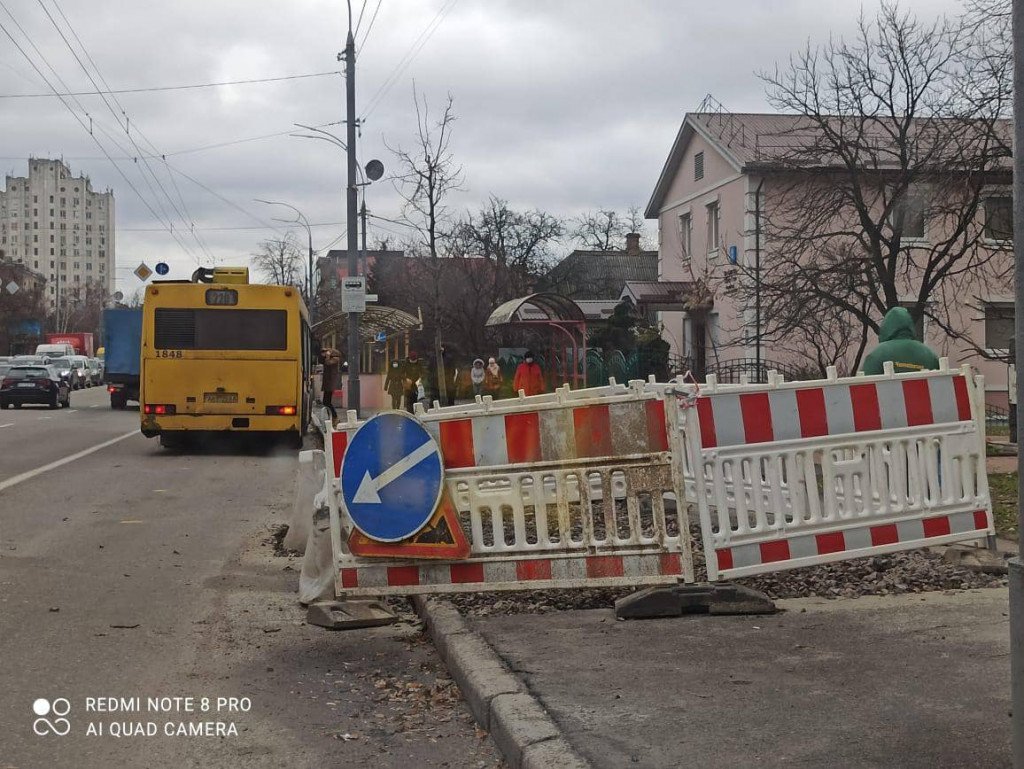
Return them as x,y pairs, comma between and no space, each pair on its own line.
60,462
71,411
95,407
46,417
9,424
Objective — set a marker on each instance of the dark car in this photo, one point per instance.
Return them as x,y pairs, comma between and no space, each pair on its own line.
34,384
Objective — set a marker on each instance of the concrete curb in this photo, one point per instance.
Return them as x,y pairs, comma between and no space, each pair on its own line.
525,734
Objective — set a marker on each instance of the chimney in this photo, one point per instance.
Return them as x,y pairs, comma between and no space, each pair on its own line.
633,244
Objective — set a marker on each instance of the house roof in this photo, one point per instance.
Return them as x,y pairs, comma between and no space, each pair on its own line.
665,295
762,141
600,274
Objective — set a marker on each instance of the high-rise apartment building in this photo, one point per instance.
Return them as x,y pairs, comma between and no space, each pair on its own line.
53,223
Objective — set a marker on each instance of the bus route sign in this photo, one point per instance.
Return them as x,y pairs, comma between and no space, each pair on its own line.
391,477
353,294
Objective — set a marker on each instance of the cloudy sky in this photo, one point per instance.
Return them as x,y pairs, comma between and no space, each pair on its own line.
563,105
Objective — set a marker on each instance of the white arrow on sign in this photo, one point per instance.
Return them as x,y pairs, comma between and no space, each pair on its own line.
369,488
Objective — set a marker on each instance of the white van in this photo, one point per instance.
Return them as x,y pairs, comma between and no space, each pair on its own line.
61,350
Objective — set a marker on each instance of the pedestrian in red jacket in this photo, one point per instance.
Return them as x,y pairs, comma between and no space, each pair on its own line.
529,378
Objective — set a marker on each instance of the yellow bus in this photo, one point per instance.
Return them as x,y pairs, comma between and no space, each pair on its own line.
222,355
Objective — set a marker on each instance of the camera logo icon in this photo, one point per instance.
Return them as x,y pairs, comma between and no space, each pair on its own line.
58,709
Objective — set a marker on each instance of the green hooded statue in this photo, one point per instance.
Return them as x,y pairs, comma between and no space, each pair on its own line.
897,343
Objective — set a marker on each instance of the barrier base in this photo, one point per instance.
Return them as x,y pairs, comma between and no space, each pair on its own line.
349,615
677,600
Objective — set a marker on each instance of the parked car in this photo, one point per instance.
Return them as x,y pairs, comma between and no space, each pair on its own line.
81,363
34,384
68,371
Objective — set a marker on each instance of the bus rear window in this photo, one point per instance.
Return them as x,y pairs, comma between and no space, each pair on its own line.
188,329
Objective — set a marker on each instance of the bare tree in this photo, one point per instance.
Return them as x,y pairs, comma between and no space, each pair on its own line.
518,241
605,229
876,197
279,260
427,176
82,308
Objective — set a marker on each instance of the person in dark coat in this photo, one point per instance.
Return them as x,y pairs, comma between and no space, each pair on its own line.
394,385
331,380
412,372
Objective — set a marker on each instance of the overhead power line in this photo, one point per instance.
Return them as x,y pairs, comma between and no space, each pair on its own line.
182,211
373,18
407,59
88,127
226,229
190,150
151,89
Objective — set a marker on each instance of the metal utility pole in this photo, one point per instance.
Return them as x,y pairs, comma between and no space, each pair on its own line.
757,275
362,225
350,217
1016,568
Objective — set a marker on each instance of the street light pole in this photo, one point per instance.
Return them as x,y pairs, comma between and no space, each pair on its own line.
351,214
300,218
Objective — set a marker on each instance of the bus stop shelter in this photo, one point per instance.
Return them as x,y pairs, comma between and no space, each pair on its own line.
383,337
562,317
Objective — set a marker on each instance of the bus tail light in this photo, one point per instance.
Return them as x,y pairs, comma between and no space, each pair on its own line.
284,411
159,409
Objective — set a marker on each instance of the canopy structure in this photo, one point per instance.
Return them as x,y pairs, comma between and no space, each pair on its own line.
565,319
376,319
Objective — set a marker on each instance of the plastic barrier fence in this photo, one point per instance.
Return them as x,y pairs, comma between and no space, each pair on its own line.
796,474
568,489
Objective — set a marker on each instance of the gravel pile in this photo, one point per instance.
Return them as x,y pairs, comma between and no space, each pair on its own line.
915,571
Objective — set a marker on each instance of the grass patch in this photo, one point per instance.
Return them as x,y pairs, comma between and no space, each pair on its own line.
1003,488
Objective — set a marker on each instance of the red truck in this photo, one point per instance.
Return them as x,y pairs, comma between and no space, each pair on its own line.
81,341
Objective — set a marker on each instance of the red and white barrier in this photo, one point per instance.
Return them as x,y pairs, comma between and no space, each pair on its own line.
567,489
796,474
591,487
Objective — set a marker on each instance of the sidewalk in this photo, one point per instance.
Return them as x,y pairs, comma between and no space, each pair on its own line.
910,681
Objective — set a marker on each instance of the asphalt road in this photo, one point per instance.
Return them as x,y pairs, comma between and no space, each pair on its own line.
127,571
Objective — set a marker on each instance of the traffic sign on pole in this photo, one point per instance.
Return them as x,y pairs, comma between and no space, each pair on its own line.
391,477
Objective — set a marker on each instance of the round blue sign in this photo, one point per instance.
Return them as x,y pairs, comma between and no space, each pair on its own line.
391,477
162,268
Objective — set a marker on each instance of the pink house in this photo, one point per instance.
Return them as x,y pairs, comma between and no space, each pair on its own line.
715,194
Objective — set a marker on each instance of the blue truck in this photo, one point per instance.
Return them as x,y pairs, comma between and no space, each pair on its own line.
122,342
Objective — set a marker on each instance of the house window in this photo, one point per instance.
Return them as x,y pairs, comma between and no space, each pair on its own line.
999,218
998,325
908,218
698,166
712,227
685,231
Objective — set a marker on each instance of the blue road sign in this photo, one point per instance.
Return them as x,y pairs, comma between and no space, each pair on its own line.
162,268
391,477
380,336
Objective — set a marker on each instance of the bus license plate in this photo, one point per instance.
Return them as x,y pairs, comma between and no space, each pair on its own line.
220,397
